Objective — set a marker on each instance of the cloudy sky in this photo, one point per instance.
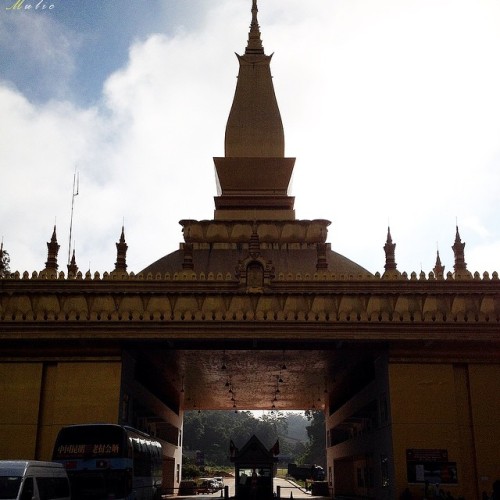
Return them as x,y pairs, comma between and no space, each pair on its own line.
391,107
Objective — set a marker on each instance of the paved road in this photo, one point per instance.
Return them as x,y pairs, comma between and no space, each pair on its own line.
288,490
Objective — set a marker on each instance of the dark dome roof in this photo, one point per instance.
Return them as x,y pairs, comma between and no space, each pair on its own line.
285,261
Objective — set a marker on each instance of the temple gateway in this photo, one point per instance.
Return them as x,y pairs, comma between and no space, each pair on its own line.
406,368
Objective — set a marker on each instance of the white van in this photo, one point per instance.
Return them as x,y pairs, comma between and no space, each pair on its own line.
33,480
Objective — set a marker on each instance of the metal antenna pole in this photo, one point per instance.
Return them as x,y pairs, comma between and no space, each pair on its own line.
76,184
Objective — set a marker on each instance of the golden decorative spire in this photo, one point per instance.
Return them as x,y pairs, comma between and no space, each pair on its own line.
254,127
253,176
254,45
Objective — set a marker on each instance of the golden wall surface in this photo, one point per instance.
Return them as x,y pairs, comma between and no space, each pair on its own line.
449,407
39,398
19,404
484,381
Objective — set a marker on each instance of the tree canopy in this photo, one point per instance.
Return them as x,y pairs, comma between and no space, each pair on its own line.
209,432
4,263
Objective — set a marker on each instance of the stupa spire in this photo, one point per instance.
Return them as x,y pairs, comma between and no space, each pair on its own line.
254,127
254,45
253,176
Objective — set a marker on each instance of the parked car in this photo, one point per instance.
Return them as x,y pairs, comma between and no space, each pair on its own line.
220,482
207,486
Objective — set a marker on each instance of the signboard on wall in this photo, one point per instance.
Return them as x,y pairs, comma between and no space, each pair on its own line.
430,465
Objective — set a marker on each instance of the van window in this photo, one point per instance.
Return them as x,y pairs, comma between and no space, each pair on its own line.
50,488
28,492
9,486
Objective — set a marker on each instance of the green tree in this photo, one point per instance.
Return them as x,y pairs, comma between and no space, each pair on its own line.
189,469
315,449
211,432
277,420
4,263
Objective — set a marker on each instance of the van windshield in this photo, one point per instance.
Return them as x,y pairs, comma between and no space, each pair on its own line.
9,487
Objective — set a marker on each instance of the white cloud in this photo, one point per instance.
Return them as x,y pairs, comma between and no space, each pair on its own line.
392,111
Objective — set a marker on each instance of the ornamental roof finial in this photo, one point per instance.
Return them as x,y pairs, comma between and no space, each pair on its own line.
460,266
52,251
438,267
458,250
72,267
390,248
121,253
